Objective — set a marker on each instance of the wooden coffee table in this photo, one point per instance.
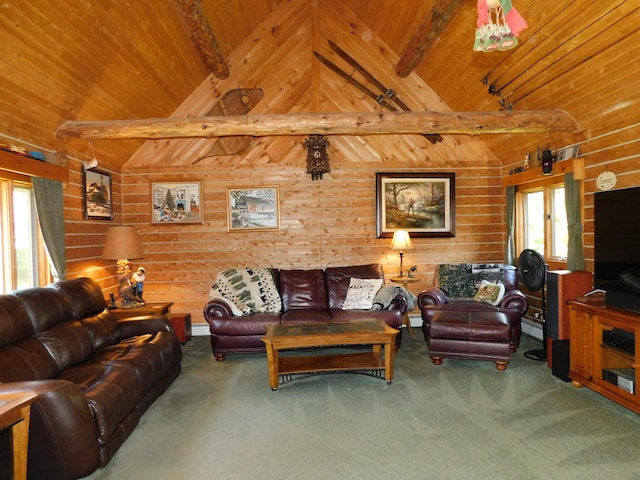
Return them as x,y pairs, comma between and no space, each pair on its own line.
284,368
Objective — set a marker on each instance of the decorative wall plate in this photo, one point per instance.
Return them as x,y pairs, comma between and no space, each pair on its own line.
606,180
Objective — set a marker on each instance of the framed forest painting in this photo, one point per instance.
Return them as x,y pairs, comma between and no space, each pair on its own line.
421,203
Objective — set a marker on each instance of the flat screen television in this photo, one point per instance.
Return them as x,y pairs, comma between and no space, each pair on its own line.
617,246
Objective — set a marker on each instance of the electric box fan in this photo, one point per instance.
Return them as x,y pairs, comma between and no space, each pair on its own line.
532,269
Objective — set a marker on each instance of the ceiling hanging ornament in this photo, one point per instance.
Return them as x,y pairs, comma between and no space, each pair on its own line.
317,158
498,26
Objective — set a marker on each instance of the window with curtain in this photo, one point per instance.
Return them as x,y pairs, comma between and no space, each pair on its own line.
23,257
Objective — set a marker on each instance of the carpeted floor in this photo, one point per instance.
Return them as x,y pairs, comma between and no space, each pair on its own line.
460,420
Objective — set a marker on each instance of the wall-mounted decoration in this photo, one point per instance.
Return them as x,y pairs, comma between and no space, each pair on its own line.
317,158
421,203
253,208
567,153
176,202
98,204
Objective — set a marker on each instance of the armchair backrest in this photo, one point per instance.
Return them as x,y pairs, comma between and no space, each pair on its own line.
462,280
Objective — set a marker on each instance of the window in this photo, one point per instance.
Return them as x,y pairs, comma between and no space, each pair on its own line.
23,257
542,222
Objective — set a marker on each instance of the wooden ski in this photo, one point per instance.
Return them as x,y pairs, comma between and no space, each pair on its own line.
388,92
378,98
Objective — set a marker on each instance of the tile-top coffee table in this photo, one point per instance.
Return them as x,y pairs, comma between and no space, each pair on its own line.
309,335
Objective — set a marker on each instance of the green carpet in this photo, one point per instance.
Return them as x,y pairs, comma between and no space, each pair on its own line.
461,420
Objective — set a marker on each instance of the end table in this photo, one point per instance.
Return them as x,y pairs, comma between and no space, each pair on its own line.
15,413
405,281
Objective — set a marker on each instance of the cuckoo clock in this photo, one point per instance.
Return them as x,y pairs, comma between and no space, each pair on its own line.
317,159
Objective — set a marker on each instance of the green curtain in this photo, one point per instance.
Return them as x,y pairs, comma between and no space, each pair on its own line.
510,248
575,254
50,206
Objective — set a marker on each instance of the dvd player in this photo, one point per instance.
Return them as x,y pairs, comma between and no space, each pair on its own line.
620,339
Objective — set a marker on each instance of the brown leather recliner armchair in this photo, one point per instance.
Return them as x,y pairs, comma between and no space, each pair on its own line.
448,279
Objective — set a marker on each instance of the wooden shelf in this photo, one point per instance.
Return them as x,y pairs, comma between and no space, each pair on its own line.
532,175
33,168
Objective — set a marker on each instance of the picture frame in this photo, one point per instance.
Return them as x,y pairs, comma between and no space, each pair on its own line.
567,153
98,195
176,202
421,203
253,208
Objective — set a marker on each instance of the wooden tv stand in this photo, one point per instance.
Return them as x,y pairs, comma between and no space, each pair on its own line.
604,354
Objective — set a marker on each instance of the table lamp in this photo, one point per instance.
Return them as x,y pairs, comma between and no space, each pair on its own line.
401,241
122,244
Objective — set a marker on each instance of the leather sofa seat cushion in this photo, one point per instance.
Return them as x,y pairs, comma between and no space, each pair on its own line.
303,289
306,315
338,279
241,326
393,318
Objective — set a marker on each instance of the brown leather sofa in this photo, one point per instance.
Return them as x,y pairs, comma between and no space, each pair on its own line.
314,295
95,376
513,305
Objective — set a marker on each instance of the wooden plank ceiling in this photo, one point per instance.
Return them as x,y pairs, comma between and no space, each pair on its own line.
69,61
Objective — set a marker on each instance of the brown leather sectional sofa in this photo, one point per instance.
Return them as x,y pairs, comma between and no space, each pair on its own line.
314,295
95,376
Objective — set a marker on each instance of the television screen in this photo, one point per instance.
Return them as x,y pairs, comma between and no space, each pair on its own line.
617,246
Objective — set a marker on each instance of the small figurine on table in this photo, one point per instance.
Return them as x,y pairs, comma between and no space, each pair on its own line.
127,293
138,281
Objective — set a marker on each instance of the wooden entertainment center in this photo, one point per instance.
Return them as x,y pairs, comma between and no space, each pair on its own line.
603,353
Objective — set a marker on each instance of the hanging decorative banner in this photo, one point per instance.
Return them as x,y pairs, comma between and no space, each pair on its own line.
498,26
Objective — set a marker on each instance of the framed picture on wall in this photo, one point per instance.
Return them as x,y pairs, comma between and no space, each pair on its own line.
421,203
98,203
253,208
176,202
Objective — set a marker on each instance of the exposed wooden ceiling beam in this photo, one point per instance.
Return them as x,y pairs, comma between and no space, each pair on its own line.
432,25
202,36
369,123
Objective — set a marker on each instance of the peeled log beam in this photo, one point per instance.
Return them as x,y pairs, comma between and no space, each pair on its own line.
469,123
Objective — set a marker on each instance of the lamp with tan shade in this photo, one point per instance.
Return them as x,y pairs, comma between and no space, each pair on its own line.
123,244
401,241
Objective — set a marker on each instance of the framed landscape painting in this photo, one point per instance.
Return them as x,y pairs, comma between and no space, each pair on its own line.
176,202
98,204
421,203
253,208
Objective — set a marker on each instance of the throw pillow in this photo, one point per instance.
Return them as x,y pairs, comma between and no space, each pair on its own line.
490,292
361,293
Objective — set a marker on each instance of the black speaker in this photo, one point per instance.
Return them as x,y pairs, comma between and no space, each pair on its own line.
560,355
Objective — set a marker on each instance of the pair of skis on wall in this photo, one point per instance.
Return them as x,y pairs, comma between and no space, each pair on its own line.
387,99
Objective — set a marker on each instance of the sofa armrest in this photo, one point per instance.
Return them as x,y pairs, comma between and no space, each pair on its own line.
143,324
398,303
515,300
433,296
217,309
62,438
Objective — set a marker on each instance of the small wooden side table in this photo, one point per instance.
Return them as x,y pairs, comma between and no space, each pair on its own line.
405,281
15,413
155,309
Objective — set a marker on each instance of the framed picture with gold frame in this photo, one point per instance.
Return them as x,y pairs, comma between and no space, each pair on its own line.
253,208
